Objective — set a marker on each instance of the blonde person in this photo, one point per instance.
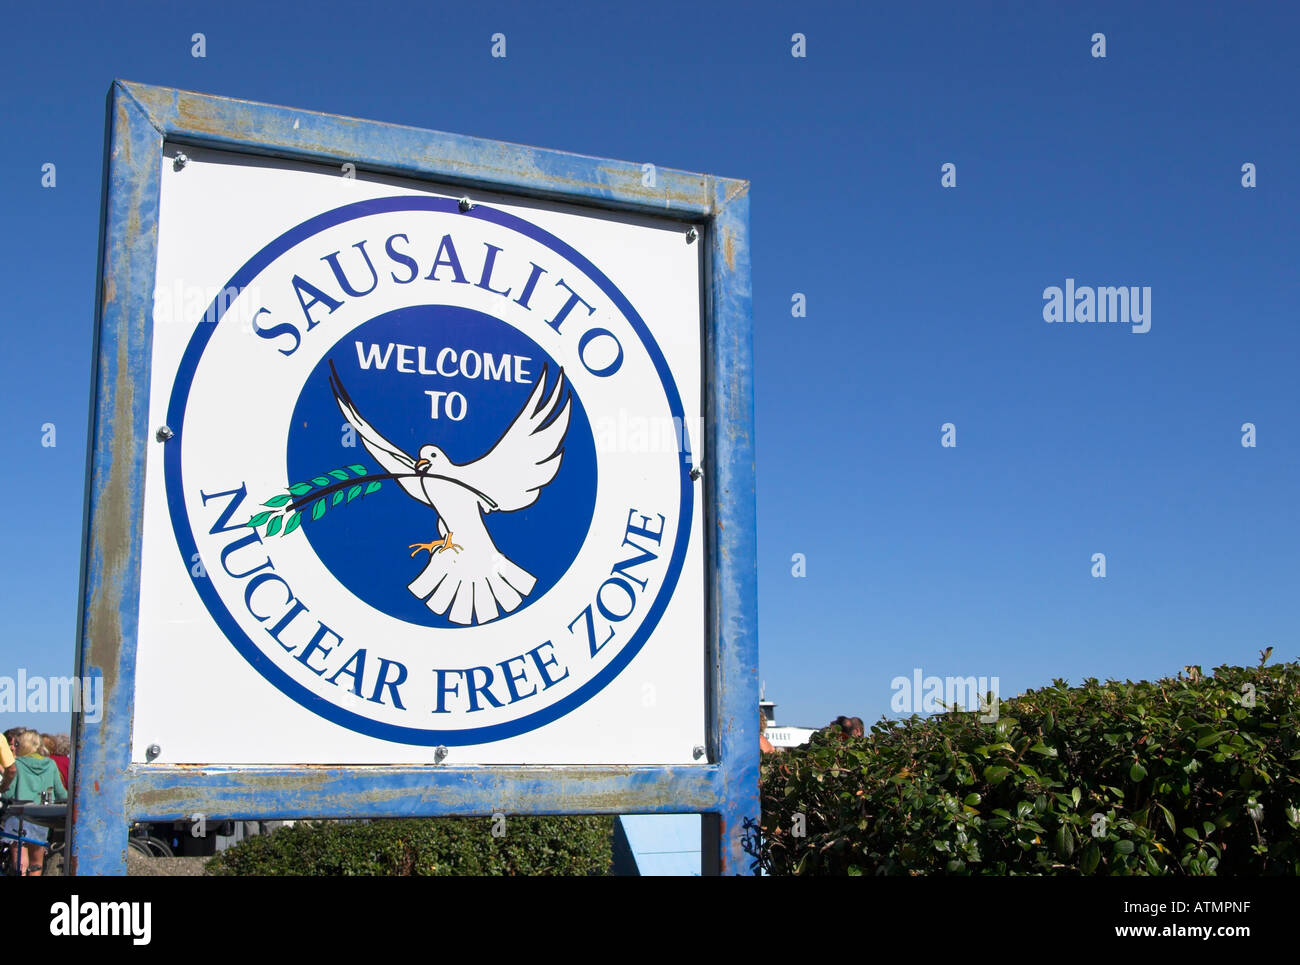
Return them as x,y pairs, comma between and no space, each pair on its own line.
7,765
36,776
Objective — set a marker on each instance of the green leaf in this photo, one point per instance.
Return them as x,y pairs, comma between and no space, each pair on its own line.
259,519
278,501
321,480
354,492
1041,748
1124,847
275,526
294,522
996,774
339,474
338,497
371,487
359,470
1137,772
1075,795
1064,841
318,510
300,489
1169,818
971,800
1091,858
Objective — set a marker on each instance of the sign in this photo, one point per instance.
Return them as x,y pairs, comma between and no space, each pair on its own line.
428,481
419,468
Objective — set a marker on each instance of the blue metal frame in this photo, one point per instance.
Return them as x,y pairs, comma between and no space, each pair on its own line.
108,790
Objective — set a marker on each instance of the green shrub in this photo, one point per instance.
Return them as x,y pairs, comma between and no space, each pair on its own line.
1185,776
426,846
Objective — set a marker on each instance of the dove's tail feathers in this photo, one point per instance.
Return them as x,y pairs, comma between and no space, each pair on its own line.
485,607
506,595
435,586
519,579
478,600
462,606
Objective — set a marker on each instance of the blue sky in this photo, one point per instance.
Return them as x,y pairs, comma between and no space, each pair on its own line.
924,303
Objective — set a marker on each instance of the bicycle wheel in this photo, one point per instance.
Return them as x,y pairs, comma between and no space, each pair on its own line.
159,848
140,845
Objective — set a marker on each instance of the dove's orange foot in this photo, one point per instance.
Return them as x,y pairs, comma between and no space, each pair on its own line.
435,547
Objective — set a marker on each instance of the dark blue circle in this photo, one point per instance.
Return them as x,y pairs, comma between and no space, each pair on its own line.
366,543
184,533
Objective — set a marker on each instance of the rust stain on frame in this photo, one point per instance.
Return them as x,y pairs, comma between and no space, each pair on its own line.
197,114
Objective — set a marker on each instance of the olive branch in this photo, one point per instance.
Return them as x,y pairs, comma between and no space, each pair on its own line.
285,511
314,498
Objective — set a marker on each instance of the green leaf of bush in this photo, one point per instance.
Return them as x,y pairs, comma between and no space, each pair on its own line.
1169,818
1091,858
881,802
1064,841
578,846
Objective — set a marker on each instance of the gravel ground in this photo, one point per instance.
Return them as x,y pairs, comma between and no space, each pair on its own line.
138,865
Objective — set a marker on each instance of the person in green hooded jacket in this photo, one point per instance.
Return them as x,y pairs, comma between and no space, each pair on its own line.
36,777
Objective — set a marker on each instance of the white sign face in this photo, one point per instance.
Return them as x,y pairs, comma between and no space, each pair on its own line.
429,477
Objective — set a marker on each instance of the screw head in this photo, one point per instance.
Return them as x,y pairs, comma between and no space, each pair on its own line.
180,161
164,433
698,751
696,473
465,204
691,235
152,751
440,754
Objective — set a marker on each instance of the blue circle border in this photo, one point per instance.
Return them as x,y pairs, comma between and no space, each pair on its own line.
187,544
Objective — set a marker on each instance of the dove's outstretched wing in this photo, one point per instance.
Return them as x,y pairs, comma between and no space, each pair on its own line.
528,454
391,458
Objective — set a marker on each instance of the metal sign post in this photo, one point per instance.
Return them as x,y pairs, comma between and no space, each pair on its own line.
421,481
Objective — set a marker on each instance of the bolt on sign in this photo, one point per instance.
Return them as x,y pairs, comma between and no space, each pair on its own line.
421,480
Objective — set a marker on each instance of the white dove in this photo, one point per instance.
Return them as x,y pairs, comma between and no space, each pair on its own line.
471,578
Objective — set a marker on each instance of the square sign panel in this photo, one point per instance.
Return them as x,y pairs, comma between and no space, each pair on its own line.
420,482
422,477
